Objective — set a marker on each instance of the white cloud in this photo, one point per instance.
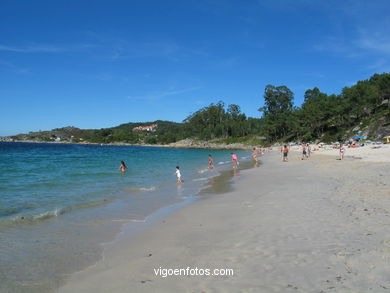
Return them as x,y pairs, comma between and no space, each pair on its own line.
14,68
31,49
42,48
374,41
157,95
134,50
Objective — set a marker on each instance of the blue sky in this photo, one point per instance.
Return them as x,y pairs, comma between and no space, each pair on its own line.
96,64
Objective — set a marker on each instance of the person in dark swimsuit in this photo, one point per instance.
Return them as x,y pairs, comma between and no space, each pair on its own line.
285,153
304,152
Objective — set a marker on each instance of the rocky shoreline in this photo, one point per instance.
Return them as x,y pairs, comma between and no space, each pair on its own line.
182,144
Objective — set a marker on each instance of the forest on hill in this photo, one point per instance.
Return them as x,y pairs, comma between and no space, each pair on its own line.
320,117
361,108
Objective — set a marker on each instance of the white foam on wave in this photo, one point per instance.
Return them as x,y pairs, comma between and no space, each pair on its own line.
203,171
200,179
48,214
152,188
128,220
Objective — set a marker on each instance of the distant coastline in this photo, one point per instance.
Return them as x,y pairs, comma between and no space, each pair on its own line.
183,144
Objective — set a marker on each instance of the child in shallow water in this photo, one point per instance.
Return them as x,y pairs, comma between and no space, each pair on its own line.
211,166
254,154
234,161
178,174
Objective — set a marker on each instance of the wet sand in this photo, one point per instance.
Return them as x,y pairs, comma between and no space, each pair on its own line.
318,225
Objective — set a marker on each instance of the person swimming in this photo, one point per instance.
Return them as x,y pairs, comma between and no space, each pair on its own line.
123,167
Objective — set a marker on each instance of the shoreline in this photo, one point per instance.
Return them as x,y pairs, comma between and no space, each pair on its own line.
291,232
92,223
197,145
220,183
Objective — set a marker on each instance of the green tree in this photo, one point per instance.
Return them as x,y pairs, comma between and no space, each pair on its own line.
277,100
277,110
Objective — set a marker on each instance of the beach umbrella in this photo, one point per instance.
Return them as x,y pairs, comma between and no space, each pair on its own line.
359,137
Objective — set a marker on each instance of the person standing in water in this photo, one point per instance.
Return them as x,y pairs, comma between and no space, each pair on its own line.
254,155
123,167
234,161
211,166
178,174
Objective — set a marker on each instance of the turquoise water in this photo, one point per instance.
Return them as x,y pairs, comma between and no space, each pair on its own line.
59,202
40,180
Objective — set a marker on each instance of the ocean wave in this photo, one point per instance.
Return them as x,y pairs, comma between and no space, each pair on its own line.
30,218
152,188
203,171
223,162
9,211
142,189
48,214
200,179
129,220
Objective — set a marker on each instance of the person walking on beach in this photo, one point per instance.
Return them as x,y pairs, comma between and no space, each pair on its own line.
304,152
341,151
235,162
284,150
123,167
211,166
178,174
308,151
254,155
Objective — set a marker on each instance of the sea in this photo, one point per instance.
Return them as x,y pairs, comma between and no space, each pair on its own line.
60,203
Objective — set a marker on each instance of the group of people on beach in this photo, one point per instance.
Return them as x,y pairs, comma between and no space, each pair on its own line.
307,151
235,163
306,154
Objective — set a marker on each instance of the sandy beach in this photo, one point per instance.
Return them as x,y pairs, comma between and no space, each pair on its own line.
368,153
318,225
